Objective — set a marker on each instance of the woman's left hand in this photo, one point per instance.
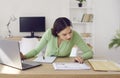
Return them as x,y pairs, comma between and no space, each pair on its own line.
78,59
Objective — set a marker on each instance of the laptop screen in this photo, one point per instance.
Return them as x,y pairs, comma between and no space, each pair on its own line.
10,55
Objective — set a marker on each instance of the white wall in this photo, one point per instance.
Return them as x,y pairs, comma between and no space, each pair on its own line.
51,9
107,21
107,18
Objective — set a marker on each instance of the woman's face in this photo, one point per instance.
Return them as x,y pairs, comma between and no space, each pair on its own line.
65,34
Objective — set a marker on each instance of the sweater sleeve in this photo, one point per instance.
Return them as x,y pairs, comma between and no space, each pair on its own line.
87,51
42,43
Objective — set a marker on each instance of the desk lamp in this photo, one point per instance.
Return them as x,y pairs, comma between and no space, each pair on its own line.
12,19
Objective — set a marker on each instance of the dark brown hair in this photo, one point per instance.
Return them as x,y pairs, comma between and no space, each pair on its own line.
60,24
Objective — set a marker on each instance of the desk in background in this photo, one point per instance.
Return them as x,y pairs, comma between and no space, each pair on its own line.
16,38
47,71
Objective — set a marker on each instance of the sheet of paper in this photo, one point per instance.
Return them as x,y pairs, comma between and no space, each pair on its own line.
69,66
45,60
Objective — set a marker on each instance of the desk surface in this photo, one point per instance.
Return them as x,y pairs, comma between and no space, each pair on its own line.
47,71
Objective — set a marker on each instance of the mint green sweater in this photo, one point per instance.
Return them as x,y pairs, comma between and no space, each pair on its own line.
50,42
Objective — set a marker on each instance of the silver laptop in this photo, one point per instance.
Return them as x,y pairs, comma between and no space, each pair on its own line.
10,55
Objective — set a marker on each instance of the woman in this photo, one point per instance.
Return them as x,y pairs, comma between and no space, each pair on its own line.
59,41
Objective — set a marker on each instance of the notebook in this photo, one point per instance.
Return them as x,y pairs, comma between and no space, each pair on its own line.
10,55
45,59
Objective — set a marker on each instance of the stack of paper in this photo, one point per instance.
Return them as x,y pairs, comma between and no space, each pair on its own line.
104,65
69,66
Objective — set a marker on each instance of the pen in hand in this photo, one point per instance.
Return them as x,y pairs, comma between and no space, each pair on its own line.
43,57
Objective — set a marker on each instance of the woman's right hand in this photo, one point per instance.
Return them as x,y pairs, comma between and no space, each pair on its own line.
22,56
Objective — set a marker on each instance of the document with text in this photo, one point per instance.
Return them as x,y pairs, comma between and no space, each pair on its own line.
69,66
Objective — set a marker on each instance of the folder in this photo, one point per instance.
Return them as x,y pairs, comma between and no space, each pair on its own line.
104,65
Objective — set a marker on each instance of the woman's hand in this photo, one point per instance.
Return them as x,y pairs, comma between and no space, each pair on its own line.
78,59
22,56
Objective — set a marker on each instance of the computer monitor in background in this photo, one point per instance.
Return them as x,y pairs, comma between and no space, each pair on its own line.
32,24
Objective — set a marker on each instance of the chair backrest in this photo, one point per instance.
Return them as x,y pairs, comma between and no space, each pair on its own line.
27,44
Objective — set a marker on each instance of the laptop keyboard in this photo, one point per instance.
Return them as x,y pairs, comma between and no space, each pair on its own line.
26,65
29,64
